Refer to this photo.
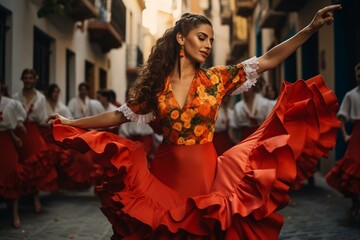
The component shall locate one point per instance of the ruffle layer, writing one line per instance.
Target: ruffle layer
(38, 171)
(327, 106)
(10, 184)
(345, 176)
(75, 171)
(252, 180)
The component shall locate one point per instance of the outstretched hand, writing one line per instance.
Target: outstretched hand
(56, 116)
(324, 16)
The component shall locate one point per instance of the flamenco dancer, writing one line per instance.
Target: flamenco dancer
(190, 192)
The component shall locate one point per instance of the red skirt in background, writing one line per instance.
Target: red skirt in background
(191, 194)
(247, 131)
(147, 141)
(345, 175)
(38, 172)
(10, 183)
(75, 170)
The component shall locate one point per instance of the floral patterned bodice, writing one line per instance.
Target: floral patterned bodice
(194, 123)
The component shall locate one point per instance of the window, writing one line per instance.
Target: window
(70, 75)
(4, 14)
(90, 77)
(102, 78)
(42, 53)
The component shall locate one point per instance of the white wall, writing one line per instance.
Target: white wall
(67, 36)
(221, 46)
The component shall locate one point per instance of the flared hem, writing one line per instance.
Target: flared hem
(251, 183)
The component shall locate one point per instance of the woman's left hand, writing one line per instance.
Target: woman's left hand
(324, 16)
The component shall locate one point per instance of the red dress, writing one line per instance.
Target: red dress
(190, 193)
(222, 140)
(38, 172)
(74, 170)
(11, 113)
(345, 175)
(10, 184)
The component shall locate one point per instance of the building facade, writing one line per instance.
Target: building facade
(68, 42)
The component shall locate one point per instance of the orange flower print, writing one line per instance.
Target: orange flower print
(215, 79)
(190, 142)
(177, 126)
(220, 87)
(161, 98)
(236, 79)
(181, 141)
(194, 123)
(196, 102)
(204, 109)
(212, 100)
(210, 136)
(162, 106)
(174, 114)
(201, 91)
(199, 130)
(207, 83)
(187, 125)
(186, 116)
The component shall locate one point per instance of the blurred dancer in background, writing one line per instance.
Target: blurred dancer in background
(345, 175)
(12, 116)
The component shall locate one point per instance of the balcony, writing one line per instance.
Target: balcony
(288, 5)
(245, 8)
(225, 12)
(239, 40)
(78, 10)
(272, 19)
(225, 16)
(108, 30)
(104, 34)
(83, 9)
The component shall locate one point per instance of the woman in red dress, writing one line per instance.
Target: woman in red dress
(189, 192)
(39, 173)
(345, 175)
(71, 166)
(12, 116)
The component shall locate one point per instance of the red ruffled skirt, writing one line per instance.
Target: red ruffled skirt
(10, 183)
(345, 175)
(192, 194)
(38, 172)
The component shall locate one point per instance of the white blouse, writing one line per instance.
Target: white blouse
(242, 113)
(35, 108)
(350, 106)
(60, 108)
(11, 113)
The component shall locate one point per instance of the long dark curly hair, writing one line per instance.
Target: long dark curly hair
(161, 62)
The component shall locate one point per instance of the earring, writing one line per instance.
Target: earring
(182, 52)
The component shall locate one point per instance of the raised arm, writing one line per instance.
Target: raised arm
(280, 52)
(103, 120)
